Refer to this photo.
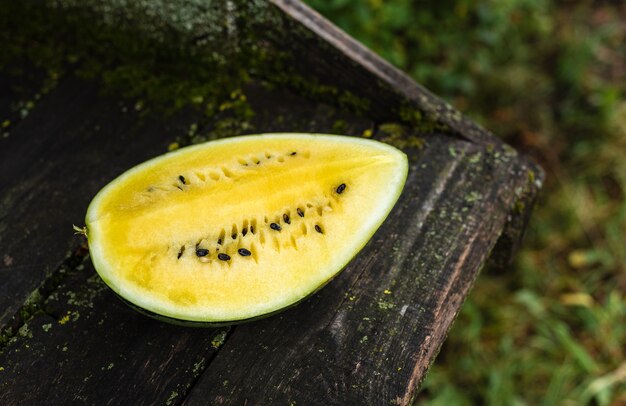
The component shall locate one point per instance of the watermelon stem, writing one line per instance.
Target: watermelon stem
(80, 230)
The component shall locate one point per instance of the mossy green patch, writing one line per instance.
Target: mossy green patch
(473, 197)
(385, 305)
(170, 400)
(219, 339)
(168, 56)
(162, 56)
(400, 136)
(421, 122)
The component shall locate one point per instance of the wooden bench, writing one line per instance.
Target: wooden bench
(368, 337)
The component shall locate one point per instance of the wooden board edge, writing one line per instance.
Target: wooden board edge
(398, 81)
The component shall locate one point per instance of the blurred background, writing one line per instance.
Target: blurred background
(550, 78)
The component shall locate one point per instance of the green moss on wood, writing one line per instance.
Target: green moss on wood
(420, 121)
(34, 304)
(163, 56)
(219, 339)
(173, 55)
(400, 136)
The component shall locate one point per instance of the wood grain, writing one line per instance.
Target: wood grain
(102, 350)
(89, 348)
(370, 335)
(71, 144)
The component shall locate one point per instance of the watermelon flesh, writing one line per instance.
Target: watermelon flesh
(239, 228)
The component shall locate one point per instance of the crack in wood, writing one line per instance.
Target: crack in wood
(198, 374)
(34, 304)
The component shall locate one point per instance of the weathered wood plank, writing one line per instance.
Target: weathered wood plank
(283, 41)
(110, 355)
(21, 88)
(13, 88)
(281, 110)
(369, 336)
(82, 315)
(332, 56)
(51, 165)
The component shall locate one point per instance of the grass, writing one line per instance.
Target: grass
(550, 78)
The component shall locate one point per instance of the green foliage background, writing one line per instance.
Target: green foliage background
(550, 78)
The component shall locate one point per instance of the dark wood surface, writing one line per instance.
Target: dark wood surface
(368, 337)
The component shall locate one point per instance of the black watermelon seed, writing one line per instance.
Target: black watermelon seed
(202, 252)
(181, 178)
(293, 153)
(300, 212)
(234, 236)
(244, 231)
(318, 229)
(258, 162)
(180, 253)
(223, 257)
(179, 187)
(286, 218)
(244, 252)
(219, 241)
(341, 188)
(252, 229)
(275, 226)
